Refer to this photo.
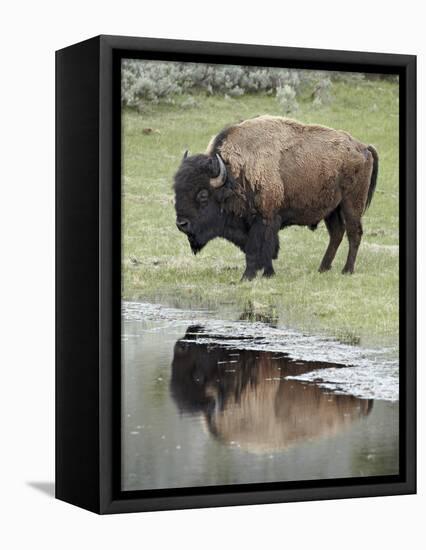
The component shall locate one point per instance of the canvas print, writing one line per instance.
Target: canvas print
(260, 275)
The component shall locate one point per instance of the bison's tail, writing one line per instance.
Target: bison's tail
(373, 180)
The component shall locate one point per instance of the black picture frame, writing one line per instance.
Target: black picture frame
(88, 270)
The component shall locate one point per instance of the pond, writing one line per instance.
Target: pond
(218, 402)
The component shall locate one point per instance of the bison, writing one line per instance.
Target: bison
(267, 173)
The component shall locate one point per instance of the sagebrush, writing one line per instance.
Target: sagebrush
(161, 81)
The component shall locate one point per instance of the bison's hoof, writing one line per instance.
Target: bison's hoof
(268, 273)
(347, 270)
(324, 268)
(248, 277)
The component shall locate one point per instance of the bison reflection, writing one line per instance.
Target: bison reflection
(246, 401)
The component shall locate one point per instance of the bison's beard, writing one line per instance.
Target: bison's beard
(195, 245)
(200, 236)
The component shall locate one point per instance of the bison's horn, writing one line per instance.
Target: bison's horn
(219, 180)
(185, 155)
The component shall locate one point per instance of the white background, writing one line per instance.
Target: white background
(29, 34)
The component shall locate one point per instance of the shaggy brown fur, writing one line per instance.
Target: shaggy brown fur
(287, 164)
(306, 172)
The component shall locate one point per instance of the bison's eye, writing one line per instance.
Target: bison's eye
(203, 197)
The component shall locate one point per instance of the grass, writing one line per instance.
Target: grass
(157, 261)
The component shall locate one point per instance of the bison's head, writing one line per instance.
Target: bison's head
(199, 193)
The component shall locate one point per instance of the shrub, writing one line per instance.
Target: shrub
(160, 81)
(321, 94)
(286, 96)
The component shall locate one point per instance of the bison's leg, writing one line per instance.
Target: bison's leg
(262, 244)
(270, 251)
(352, 211)
(355, 196)
(354, 232)
(336, 229)
(268, 270)
(251, 268)
(276, 247)
(253, 251)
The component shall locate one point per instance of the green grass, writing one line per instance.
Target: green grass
(159, 266)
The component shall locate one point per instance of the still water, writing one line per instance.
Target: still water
(209, 402)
